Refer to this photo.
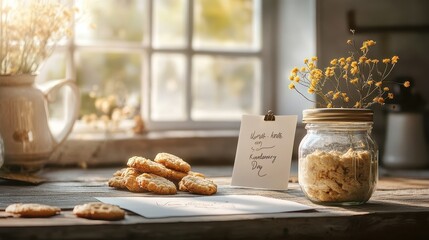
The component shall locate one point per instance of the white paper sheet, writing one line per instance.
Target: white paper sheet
(161, 207)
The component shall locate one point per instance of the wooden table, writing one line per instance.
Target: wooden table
(399, 209)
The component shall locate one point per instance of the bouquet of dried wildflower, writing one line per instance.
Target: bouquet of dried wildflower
(29, 30)
(356, 81)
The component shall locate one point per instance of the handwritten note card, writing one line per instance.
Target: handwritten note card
(264, 152)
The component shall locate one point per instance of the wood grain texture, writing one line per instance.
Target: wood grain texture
(399, 209)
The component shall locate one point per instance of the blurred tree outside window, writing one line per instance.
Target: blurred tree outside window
(180, 64)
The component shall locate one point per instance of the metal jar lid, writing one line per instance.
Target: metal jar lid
(337, 115)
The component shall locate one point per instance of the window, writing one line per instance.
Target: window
(181, 64)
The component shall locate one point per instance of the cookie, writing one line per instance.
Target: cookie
(119, 172)
(196, 174)
(197, 185)
(131, 184)
(117, 182)
(174, 175)
(172, 162)
(156, 184)
(130, 172)
(32, 210)
(147, 166)
(99, 211)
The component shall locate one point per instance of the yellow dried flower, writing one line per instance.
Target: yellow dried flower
(291, 86)
(362, 59)
(295, 70)
(336, 95)
(370, 43)
(354, 81)
(354, 70)
(361, 73)
(407, 84)
(357, 105)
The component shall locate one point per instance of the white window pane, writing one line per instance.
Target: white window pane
(168, 91)
(169, 23)
(108, 76)
(227, 24)
(224, 88)
(111, 20)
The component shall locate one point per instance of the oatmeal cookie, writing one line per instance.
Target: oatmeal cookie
(197, 185)
(117, 182)
(196, 174)
(172, 162)
(131, 184)
(32, 210)
(147, 166)
(130, 172)
(99, 211)
(174, 175)
(156, 184)
(119, 172)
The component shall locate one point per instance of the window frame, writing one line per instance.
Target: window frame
(265, 54)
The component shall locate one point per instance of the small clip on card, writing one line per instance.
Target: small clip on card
(270, 116)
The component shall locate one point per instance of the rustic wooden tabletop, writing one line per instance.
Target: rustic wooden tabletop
(398, 209)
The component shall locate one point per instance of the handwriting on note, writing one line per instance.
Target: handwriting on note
(261, 154)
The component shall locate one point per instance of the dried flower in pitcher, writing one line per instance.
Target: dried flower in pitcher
(29, 32)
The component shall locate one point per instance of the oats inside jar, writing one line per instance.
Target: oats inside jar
(337, 176)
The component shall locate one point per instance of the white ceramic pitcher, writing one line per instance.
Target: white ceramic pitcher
(24, 121)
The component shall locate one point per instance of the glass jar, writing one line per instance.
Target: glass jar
(338, 158)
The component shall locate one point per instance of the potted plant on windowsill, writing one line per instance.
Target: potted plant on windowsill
(29, 31)
(338, 158)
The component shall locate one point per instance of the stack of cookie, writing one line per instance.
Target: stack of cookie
(161, 176)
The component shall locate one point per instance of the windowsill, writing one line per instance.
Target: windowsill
(207, 147)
